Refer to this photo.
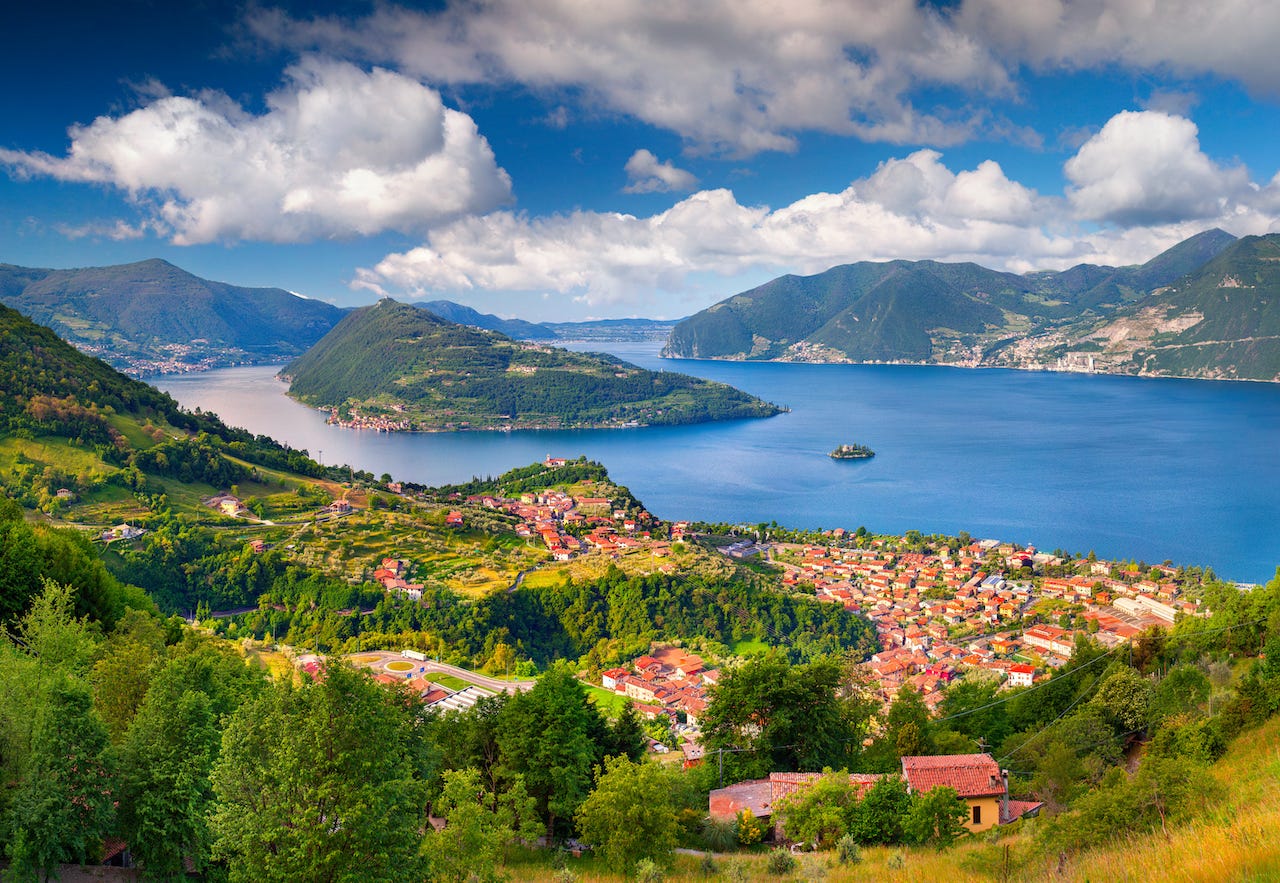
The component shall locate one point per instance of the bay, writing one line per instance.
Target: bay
(1150, 469)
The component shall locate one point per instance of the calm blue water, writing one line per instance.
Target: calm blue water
(1151, 469)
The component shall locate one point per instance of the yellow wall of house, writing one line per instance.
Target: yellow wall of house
(988, 810)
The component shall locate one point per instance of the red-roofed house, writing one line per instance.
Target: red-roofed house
(975, 777)
(611, 678)
(755, 795)
(1050, 638)
(759, 796)
(1021, 675)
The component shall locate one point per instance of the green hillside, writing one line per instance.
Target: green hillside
(1232, 309)
(925, 311)
(401, 363)
(151, 316)
(120, 449)
(895, 311)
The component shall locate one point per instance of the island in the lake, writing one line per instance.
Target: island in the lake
(397, 367)
(851, 452)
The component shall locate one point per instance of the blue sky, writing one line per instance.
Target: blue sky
(552, 159)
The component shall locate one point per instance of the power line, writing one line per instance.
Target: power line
(1031, 689)
(1051, 723)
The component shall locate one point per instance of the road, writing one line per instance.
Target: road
(496, 685)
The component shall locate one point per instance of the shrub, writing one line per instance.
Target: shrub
(781, 863)
(749, 828)
(648, 872)
(847, 850)
(720, 835)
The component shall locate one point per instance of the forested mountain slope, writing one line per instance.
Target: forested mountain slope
(152, 316)
(929, 311)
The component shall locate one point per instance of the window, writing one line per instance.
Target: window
(977, 814)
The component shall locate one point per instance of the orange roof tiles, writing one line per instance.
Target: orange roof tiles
(971, 775)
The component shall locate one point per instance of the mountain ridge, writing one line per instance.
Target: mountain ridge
(934, 312)
(149, 316)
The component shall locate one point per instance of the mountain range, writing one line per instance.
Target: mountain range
(397, 366)
(1204, 308)
(152, 317)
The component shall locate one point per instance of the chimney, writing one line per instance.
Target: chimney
(1004, 803)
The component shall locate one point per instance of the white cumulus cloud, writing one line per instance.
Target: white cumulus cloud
(743, 76)
(1233, 39)
(734, 75)
(1146, 167)
(909, 208)
(1142, 167)
(648, 175)
(339, 152)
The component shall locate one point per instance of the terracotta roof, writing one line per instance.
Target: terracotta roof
(971, 775)
(783, 784)
(755, 795)
(1017, 809)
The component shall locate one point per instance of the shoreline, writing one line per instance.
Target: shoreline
(904, 363)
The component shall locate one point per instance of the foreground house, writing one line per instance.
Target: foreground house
(979, 781)
(976, 778)
(760, 796)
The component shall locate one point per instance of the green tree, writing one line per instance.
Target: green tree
(479, 825)
(165, 791)
(1148, 647)
(626, 735)
(972, 707)
(548, 736)
(818, 814)
(468, 738)
(120, 678)
(19, 701)
(321, 782)
(937, 817)
(878, 817)
(1184, 688)
(784, 717)
(908, 732)
(51, 632)
(631, 814)
(1123, 698)
(63, 810)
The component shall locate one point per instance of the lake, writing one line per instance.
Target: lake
(1151, 469)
